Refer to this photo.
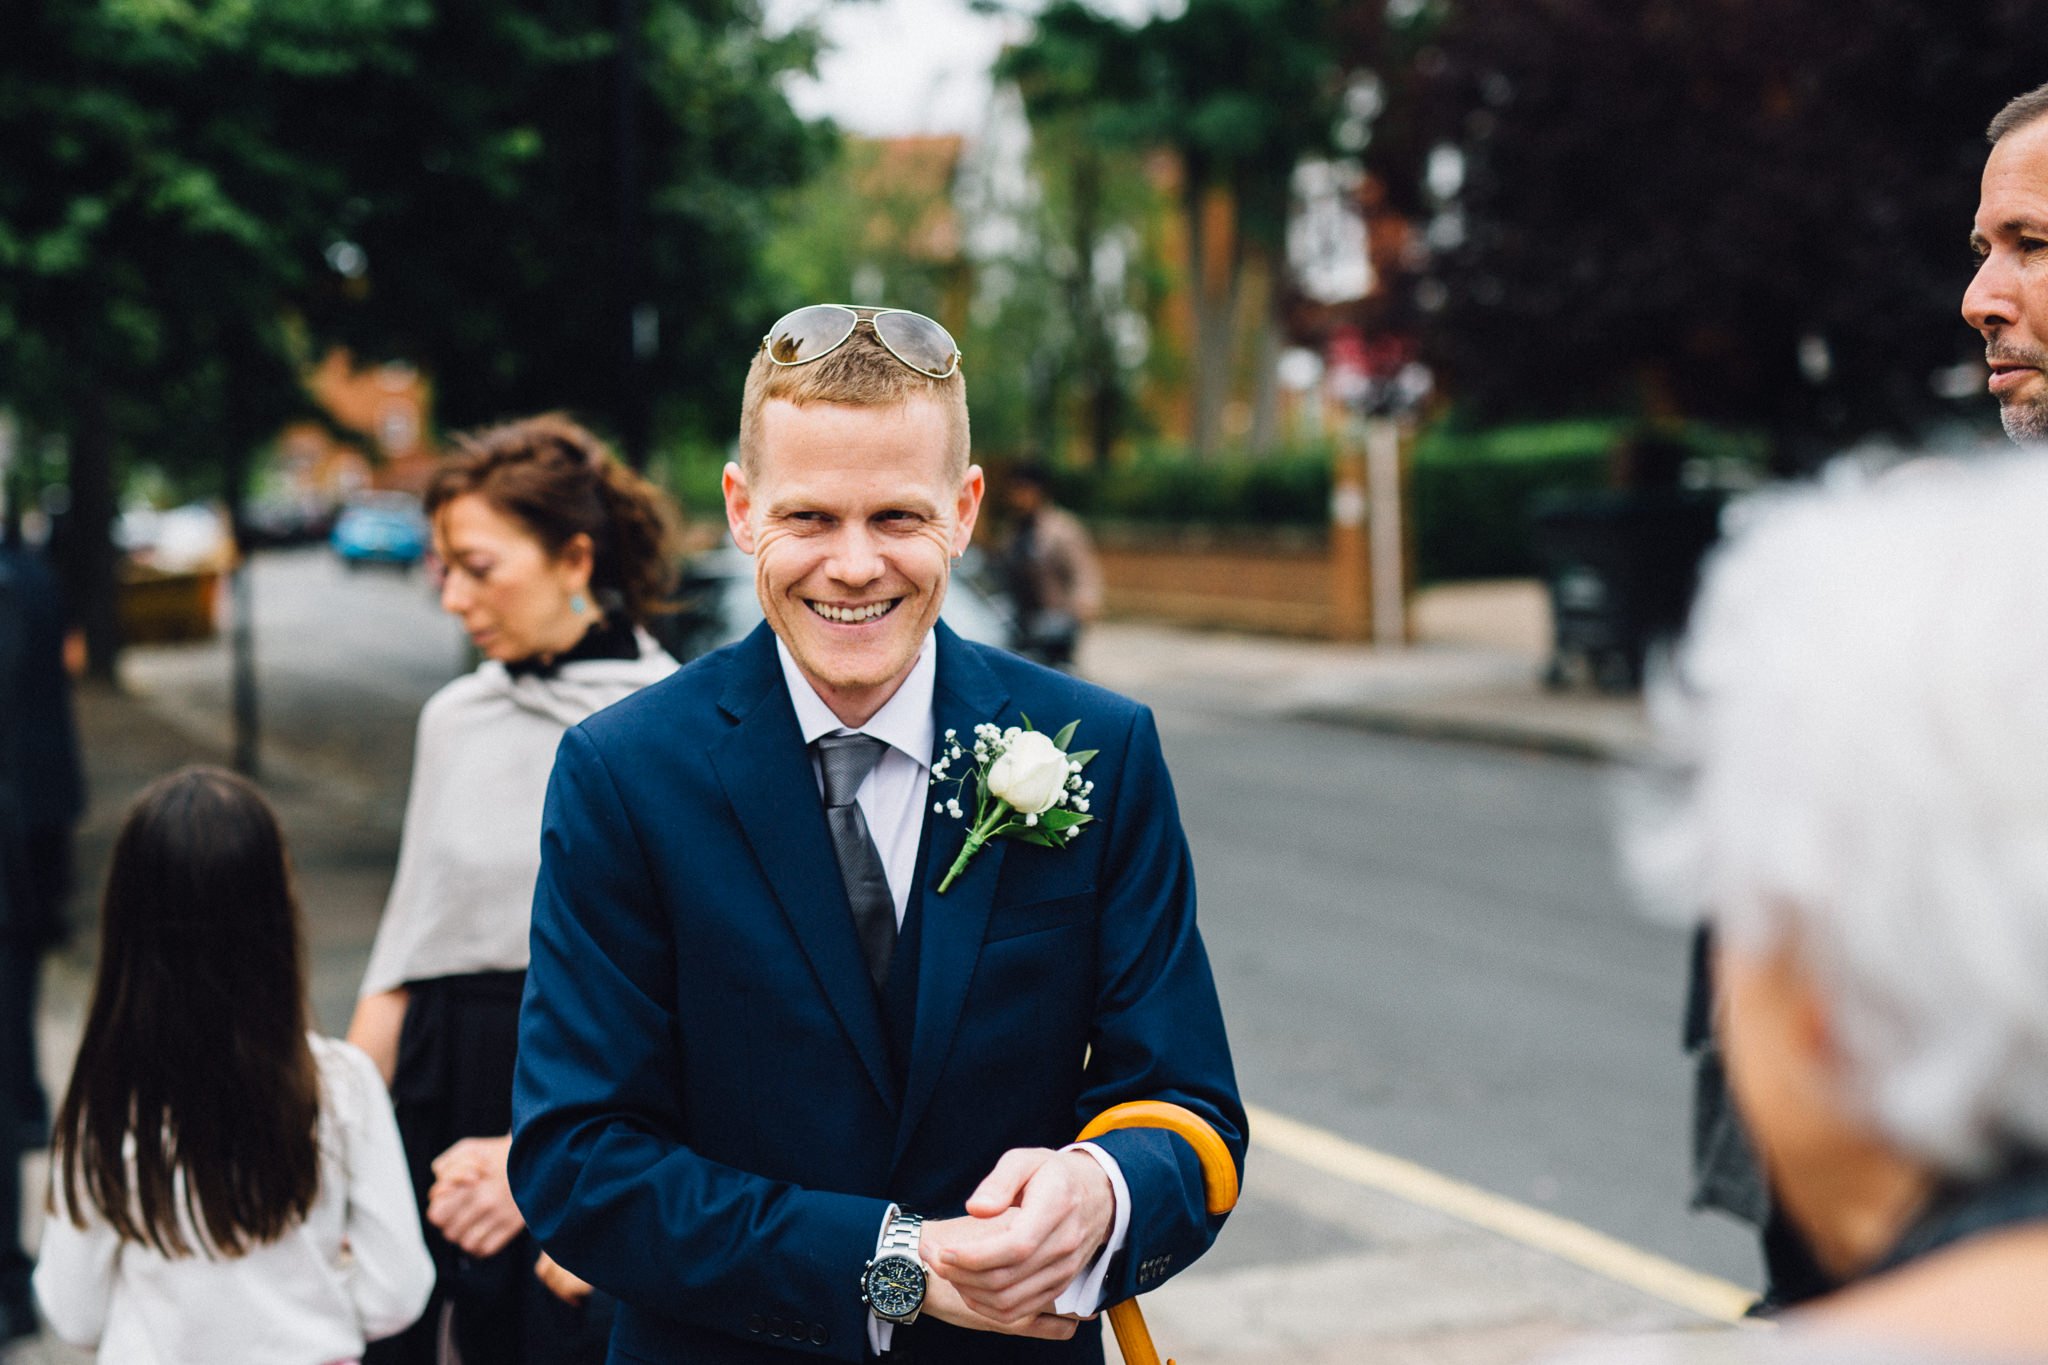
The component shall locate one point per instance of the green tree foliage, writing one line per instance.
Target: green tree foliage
(1725, 209)
(1088, 285)
(1037, 260)
(1084, 281)
(152, 223)
(193, 186)
(153, 226)
(868, 226)
(501, 256)
(1241, 91)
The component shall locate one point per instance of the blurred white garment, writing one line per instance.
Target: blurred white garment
(470, 850)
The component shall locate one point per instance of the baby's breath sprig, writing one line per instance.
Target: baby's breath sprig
(1026, 786)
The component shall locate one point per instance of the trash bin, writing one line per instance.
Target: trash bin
(1621, 568)
(167, 608)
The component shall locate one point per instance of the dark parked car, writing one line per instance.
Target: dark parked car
(388, 528)
(282, 519)
(719, 606)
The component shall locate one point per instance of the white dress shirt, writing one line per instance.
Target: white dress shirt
(893, 799)
(354, 1269)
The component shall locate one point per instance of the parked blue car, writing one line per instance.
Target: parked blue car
(390, 529)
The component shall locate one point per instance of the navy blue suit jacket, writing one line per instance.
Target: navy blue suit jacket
(706, 1120)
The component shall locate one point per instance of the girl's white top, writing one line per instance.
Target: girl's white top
(462, 899)
(355, 1269)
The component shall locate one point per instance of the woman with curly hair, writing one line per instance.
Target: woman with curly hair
(553, 555)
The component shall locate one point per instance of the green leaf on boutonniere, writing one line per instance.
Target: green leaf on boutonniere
(1063, 819)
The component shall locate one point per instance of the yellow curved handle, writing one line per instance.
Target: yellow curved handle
(1219, 1188)
(1219, 1172)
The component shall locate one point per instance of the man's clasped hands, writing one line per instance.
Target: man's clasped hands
(1031, 1226)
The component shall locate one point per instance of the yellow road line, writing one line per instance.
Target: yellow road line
(1706, 1295)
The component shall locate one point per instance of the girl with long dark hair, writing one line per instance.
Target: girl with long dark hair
(225, 1185)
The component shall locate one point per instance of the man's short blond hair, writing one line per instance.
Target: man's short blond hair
(860, 374)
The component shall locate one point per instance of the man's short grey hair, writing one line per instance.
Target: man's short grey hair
(2020, 111)
(1855, 735)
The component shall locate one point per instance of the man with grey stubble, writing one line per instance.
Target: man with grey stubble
(2007, 301)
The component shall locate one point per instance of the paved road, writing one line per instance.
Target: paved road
(344, 661)
(1421, 947)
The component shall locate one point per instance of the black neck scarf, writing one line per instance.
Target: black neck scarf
(608, 639)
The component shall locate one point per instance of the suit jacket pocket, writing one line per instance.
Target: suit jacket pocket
(1031, 917)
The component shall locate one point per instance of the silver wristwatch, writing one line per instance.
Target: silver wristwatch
(892, 1284)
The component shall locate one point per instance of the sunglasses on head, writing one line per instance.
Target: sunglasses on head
(814, 332)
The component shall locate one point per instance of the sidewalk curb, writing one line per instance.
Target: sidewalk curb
(1489, 733)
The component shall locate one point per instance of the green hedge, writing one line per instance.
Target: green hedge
(1291, 489)
(1472, 517)
(1474, 487)
(1472, 492)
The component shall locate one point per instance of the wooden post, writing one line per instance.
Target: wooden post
(1350, 545)
(1387, 529)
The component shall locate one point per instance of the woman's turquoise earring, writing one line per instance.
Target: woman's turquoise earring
(579, 604)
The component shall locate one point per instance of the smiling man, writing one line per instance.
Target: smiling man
(2007, 301)
(778, 1091)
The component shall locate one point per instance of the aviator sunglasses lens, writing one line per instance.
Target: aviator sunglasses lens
(809, 332)
(918, 342)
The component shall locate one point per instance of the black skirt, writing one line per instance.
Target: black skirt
(454, 1080)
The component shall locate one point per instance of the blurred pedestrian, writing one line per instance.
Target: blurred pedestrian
(17, 963)
(226, 1185)
(1853, 786)
(553, 554)
(1049, 566)
(2007, 301)
(52, 797)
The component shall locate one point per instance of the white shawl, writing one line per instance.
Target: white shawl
(469, 853)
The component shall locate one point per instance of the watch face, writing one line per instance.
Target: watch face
(895, 1286)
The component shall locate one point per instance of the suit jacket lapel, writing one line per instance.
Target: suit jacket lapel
(768, 777)
(967, 694)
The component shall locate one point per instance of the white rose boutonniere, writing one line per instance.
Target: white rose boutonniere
(1030, 774)
(1026, 786)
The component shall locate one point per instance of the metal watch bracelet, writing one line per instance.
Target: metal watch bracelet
(900, 1234)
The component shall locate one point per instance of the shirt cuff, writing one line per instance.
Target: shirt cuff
(880, 1331)
(1084, 1295)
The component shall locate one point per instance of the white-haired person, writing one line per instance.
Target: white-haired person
(1856, 741)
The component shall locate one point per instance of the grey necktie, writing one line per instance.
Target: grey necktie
(846, 760)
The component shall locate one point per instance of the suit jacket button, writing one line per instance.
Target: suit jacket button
(775, 1327)
(754, 1324)
(819, 1336)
